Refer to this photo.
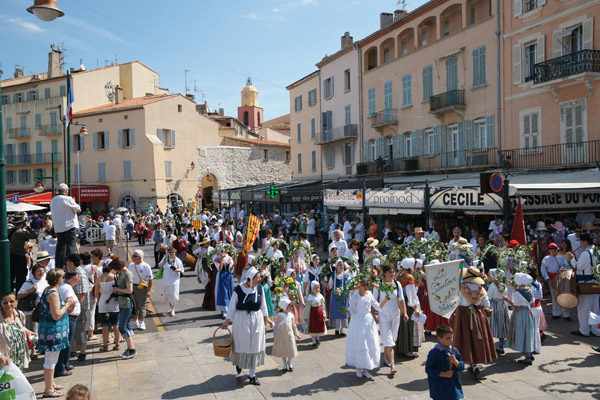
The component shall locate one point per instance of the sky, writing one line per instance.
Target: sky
(220, 43)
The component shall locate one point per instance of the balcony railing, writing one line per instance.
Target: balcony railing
(446, 101)
(384, 118)
(472, 159)
(29, 159)
(340, 133)
(572, 64)
(19, 133)
(49, 130)
(553, 156)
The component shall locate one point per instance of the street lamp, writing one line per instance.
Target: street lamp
(4, 246)
(46, 10)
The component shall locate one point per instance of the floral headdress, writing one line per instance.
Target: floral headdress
(223, 246)
(291, 282)
(299, 245)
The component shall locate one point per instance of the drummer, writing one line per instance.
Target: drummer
(552, 264)
(587, 302)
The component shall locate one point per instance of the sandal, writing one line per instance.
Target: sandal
(58, 387)
(116, 347)
(104, 348)
(53, 394)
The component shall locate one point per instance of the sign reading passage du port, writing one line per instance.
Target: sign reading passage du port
(496, 183)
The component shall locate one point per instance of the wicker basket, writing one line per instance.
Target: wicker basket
(488, 311)
(222, 347)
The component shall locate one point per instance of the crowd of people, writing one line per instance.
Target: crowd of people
(370, 288)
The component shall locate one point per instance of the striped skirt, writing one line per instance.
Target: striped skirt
(521, 333)
(499, 320)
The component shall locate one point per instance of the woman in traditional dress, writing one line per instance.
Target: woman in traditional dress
(224, 285)
(522, 330)
(248, 314)
(314, 313)
(267, 283)
(472, 334)
(242, 258)
(298, 309)
(172, 270)
(298, 265)
(499, 320)
(338, 280)
(410, 333)
(313, 273)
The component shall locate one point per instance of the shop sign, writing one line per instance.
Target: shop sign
(412, 198)
(349, 198)
(466, 200)
(89, 193)
(259, 196)
(304, 198)
(235, 195)
(559, 201)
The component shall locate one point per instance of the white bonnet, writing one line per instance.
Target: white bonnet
(284, 303)
(313, 284)
(408, 263)
(376, 262)
(522, 279)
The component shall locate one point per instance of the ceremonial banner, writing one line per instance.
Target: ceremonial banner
(253, 228)
(197, 224)
(443, 286)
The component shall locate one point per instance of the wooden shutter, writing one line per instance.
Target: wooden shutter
(72, 142)
(331, 87)
(516, 55)
(106, 135)
(344, 153)
(557, 48)
(461, 143)
(82, 142)
(469, 135)
(401, 144)
(518, 7)
(413, 143)
(38, 151)
(444, 144)
(120, 138)
(131, 137)
(588, 34)
(476, 67)
(95, 139)
(172, 138)
(395, 145)
(421, 142)
(329, 121)
(491, 141)
(541, 49)
(436, 140)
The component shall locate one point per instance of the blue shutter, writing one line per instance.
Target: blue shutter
(436, 140)
(444, 143)
(82, 142)
(38, 151)
(476, 67)
(401, 144)
(395, 145)
(366, 152)
(55, 149)
(344, 153)
(131, 137)
(413, 143)
(469, 135)
(106, 135)
(95, 140)
(329, 120)
(451, 74)
(332, 87)
(38, 120)
(352, 153)
(172, 138)
(461, 143)
(421, 142)
(491, 142)
(120, 138)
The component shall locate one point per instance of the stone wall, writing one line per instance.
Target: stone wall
(243, 166)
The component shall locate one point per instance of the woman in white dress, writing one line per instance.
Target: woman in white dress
(362, 343)
(172, 270)
(352, 252)
(266, 242)
(248, 313)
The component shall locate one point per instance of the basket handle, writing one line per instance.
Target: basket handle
(216, 330)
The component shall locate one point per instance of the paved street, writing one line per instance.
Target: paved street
(175, 361)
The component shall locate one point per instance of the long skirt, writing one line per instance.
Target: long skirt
(521, 333)
(248, 331)
(499, 319)
(362, 343)
(209, 292)
(268, 299)
(405, 343)
(473, 336)
(171, 293)
(433, 320)
(224, 290)
(240, 264)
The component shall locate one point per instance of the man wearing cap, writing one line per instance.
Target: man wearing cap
(142, 287)
(587, 302)
(64, 214)
(552, 264)
(18, 236)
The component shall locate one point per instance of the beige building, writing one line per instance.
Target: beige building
(305, 121)
(551, 83)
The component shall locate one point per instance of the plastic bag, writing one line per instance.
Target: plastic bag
(157, 275)
(14, 385)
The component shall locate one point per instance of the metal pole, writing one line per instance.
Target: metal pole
(68, 137)
(4, 245)
(52, 172)
(79, 180)
(426, 203)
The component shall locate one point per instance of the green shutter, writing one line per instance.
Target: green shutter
(469, 135)
(491, 143)
(444, 145)
(421, 142)
(461, 143)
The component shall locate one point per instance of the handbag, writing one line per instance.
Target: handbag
(143, 284)
(27, 303)
(159, 273)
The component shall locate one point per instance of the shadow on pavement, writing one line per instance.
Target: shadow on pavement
(330, 384)
(572, 387)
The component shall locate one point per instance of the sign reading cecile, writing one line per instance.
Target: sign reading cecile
(466, 200)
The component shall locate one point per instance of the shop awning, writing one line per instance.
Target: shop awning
(37, 198)
(394, 211)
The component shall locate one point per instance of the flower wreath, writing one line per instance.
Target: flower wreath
(282, 245)
(299, 245)
(223, 246)
(278, 283)
(352, 284)
(520, 257)
(271, 262)
(327, 267)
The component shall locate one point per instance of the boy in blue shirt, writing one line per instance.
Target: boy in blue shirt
(442, 367)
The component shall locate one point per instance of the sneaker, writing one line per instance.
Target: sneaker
(142, 326)
(135, 325)
(127, 354)
(367, 375)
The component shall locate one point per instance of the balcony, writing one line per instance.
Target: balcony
(50, 130)
(340, 133)
(473, 159)
(454, 100)
(580, 62)
(19, 133)
(381, 119)
(565, 155)
(30, 159)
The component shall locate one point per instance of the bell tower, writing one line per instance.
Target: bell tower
(250, 113)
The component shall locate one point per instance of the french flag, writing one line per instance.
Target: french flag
(69, 113)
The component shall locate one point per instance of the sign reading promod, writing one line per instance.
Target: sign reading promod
(411, 198)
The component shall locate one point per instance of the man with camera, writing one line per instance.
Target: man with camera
(142, 287)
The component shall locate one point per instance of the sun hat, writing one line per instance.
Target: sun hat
(472, 275)
(559, 226)
(541, 226)
(42, 255)
(418, 229)
(371, 242)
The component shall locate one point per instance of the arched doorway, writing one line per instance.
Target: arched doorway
(210, 186)
(175, 202)
(128, 202)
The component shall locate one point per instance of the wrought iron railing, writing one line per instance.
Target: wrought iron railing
(19, 133)
(571, 64)
(555, 155)
(450, 99)
(26, 159)
(342, 132)
(49, 130)
(384, 117)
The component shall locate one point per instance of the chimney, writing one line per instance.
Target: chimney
(347, 40)
(190, 96)
(19, 72)
(399, 14)
(222, 112)
(385, 19)
(118, 95)
(55, 62)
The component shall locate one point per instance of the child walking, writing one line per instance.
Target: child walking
(337, 281)
(499, 320)
(442, 367)
(284, 345)
(522, 331)
(314, 313)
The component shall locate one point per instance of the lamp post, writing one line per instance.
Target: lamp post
(46, 10)
(4, 246)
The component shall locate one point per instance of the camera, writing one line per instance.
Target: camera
(113, 295)
(173, 267)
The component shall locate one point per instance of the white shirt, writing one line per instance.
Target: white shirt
(28, 284)
(585, 262)
(553, 264)
(331, 229)
(348, 229)
(341, 245)
(575, 245)
(64, 213)
(274, 254)
(170, 277)
(493, 292)
(111, 232)
(310, 227)
(455, 251)
(473, 241)
(351, 254)
(360, 235)
(144, 271)
(391, 307)
(49, 245)
(65, 290)
(432, 235)
(241, 214)
(231, 310)
(105, 225)
(117, 220)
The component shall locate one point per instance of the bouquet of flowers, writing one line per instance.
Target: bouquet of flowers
(280, 281)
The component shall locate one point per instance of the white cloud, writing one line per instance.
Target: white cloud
(27, 26)
(252, 16)
(106, 34)
(309, 2)
(276, 10)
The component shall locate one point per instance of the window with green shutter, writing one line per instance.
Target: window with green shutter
(371, 99)
(427, 82)
(479, 74)
(406, 91)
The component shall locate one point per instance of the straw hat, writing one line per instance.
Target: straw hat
(541, 226)
(205, 240)
(588, 226)
(42, 255)
(471, 275)
(371, 242)
(463, 243)
(418, 229)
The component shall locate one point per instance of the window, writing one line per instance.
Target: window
(53, 122)
(347, 80)
(24, 176)
(388, 99)
(530, 60)
(386, 56)
(5, 99)
(373, 149)
(179, 108)
(313, 128)
(47, 93)
(32, 95)
(480, 134)
(298, 103)
(127, 170)
(299, 162)
(312, 97)
(328, 88)
(371, 96)
(11, 177)
(246, 118)
(389, 147)
(406, 91)
(529, 5)
(572, 40)
(573, 124)
(299, 132)
(530, 128)
(424, 39)
(38, 174)
(287, 156)
(479, 77)
(126, 138)
(265, 155)
(452, 74)
(347, 115)
(63, 90)
(77, 172)
(348, 152)
(313, 160)
(23, 120)
(404, 48)
(38, 121)
(101, 140)
(78, 143)
(330, 157)
(472, 15)
(8, 123)
(101, 171)
(409, 144)
(429, 142)
(446, 28)
(18, 98)
(167, 137)
(427, 82)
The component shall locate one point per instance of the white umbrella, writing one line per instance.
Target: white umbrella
(121, 209)
(23, 207)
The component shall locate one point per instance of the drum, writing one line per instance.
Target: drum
(190, 261)
(554, 282)
(567, 297)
